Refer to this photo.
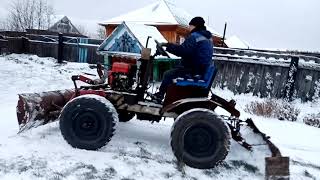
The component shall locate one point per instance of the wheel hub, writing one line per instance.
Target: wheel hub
(86, 125)
(199, 141)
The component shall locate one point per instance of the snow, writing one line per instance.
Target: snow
(104, 101)
(141, 32)
(237, 58)
(307, 62)
(139, 150)
(262, 59)
(155, 13)
(235, 42)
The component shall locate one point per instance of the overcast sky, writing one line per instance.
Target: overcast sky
(282, 24)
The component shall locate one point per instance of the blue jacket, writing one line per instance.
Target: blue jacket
(196, 51)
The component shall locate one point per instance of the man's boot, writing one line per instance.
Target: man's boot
(157, 97)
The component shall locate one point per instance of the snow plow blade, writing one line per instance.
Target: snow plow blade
(277, 166)
(37, 109)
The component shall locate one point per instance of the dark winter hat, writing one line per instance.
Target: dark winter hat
(197, 22)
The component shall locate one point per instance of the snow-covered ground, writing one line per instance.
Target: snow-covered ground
(139, 150)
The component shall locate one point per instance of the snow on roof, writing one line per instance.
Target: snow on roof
(235, 42)
(141, 32)
(161, 12)
(155, 13)
(55, 18)
(64, 25)
(181, 16)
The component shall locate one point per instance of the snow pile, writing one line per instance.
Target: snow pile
(312, 120)
(139, 150)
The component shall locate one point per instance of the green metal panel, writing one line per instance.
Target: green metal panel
(83, 52)
(106, 62)
(161, 65)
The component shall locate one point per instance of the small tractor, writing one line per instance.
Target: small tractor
(88, 115)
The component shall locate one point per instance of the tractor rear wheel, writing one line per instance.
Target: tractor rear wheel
(88, 122)
(200, 138)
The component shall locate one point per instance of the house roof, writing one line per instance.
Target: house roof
(137, 34)
(235, 42)
(161, 12)
(90, 26)
(64, 24)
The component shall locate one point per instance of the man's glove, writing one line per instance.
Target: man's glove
(163, 44)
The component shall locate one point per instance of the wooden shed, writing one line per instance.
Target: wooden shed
(171, 21)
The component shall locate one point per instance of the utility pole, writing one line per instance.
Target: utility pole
(224, 33)
(60, 48)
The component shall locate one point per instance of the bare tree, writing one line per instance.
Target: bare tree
(101, 32)
(98, 34)
(3, 25)
(82, 30)
(29, 14)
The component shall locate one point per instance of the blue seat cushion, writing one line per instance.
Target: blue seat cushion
(198, 80)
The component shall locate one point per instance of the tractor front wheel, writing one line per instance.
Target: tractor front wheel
(200, 138)
(88, 122)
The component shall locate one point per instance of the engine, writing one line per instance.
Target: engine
(121, 77)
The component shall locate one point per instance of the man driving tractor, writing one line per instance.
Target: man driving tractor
(196, 53)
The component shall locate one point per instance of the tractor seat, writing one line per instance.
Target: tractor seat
(198, 80)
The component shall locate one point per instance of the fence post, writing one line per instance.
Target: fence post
(25, 45)
(292, 75)
(60, 48)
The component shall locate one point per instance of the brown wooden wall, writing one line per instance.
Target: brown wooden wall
(172, 33)
(169, 33)
(110, 29)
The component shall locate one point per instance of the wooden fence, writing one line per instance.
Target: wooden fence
(266, 74)
(262, 73)
(3, 45)
(73, 48)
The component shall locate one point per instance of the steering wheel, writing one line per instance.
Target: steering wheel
(160, 49)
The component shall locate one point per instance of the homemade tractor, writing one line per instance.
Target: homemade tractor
(88, 114)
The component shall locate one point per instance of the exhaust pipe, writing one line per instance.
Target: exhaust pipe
(37, 109)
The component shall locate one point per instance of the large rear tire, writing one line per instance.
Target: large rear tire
(88, 122)
(200, 138)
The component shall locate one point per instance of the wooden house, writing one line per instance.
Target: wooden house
(63, 25)
(171, 21)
